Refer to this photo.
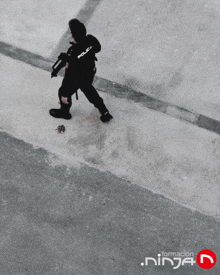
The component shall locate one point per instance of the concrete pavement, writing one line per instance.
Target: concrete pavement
(167, 49)
(36, 26)
(150, 149)
(164, 152)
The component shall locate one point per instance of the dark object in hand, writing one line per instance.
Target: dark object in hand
(63, 57)
(59, 64)
(54, 74)
(61, 129)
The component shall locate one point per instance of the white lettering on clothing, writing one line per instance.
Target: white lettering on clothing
(83, 53)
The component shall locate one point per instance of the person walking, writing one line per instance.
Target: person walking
(79, 72)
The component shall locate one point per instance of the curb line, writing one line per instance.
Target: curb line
(117, 90)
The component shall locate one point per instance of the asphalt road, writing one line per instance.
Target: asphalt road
(56, 219)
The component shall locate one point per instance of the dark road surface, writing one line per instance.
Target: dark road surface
(56, 220)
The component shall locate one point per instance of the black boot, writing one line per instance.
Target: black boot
(106, 117)
(60, 113)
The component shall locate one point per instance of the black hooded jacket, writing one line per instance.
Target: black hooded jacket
(81, 58)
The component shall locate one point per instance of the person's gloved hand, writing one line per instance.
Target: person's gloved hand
(62, 56)
(64, 100)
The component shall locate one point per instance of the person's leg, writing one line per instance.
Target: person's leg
(64, 111)
(94, 98)
(65, 107)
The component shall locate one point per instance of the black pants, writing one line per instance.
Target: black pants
(69, 87)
